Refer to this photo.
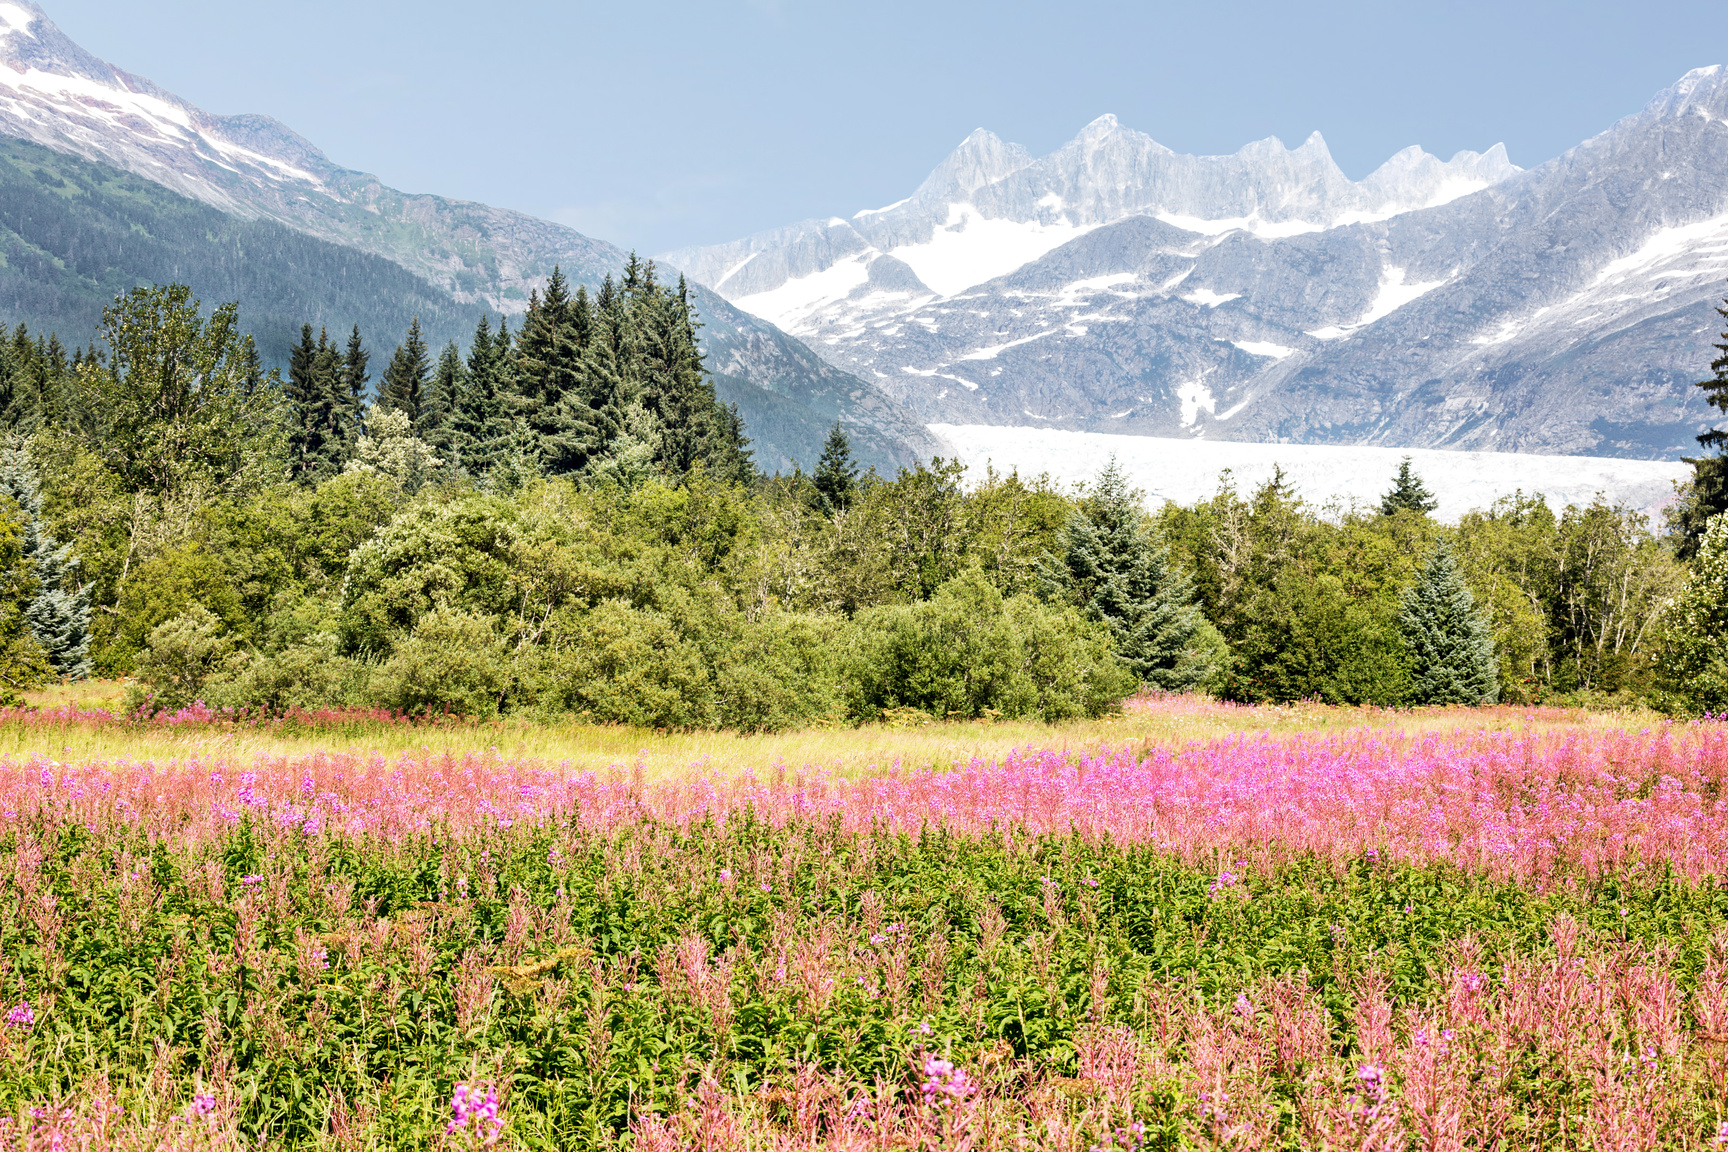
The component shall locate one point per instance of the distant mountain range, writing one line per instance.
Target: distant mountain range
(242, 208)
(1117, 286)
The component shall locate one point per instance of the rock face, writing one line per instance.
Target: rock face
(55, 94)
(1116, 286)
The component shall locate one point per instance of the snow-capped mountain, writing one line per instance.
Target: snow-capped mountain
(991, 208)
(1116, 286)
(55, 94)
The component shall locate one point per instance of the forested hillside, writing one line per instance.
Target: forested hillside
(75, 234)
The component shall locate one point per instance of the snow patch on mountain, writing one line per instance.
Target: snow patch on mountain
(14, 19)
(1188, 470)
(1393, 294)
(1263, 348)
(969, 248)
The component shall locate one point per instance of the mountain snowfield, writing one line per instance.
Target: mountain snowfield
(1186, 470)
(55, 94)
(1117, 287)
(991, 208)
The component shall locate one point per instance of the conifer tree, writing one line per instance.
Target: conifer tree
(836, 477)
(441, 427)
(1115, 569)
(549, 379)
(1706, 495)
(1451, 648)
(326, 423)
(486, 419)
(403, 388)
(354, 381)
(315, 407)
(1408, 493)
(675, 386)
(58, 614)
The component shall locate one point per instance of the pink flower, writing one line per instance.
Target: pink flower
(21, 1016)
(472, 1111)
(944, 1082)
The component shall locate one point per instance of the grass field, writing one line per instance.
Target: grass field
(1191, 926)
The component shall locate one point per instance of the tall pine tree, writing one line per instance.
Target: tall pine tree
(1706, 495)
(1119, 573)
(1451, 649)
(836, 477)
(58, 614)
(317, 435)
(549, 378)
(441, 429)
(1408, 493)
(355, 379)
(403, 387)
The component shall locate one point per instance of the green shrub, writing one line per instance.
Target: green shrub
(626, 665)
(967, 652)
(780, 673)
(452, 662)
(181, 656)
(310, 674)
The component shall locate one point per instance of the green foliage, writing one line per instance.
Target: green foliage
(1451, 649)
(167, 586)
(836, 476)
(380, 974)
(23, 663)
(968, 653)
(403, 387)
(1116, 570)
(451, 662)
(181, 655)
(1408, 493)
(1694, 657)
(59, 615)
(174, 405)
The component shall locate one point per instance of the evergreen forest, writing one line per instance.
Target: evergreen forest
(558, 518)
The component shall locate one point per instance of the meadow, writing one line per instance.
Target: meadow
(1192, 925)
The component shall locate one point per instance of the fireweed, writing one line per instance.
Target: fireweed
(1361, 941)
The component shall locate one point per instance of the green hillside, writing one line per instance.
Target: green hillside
(73, 234)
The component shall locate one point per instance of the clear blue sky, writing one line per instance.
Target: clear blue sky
(656, 124)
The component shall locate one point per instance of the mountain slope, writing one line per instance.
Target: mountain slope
(1115, 286)
(75, 234)
(55, 94)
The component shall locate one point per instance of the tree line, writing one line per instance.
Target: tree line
(561, 520)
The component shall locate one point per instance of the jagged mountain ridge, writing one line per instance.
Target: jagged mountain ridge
(1263, 296)
(990, 208)
(55, 94)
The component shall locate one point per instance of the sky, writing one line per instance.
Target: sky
(656, 125)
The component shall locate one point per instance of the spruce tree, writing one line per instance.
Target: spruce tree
(58, 615)
(315, 406)
(1450, 646)
(1115, 569)
(836, 477)
(1706, 495)
(486, 420)
(354, 381)
(1408, 493)
(441, 428)
(675, 388)
(549, 379)
(403, 388)
(327, 431)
